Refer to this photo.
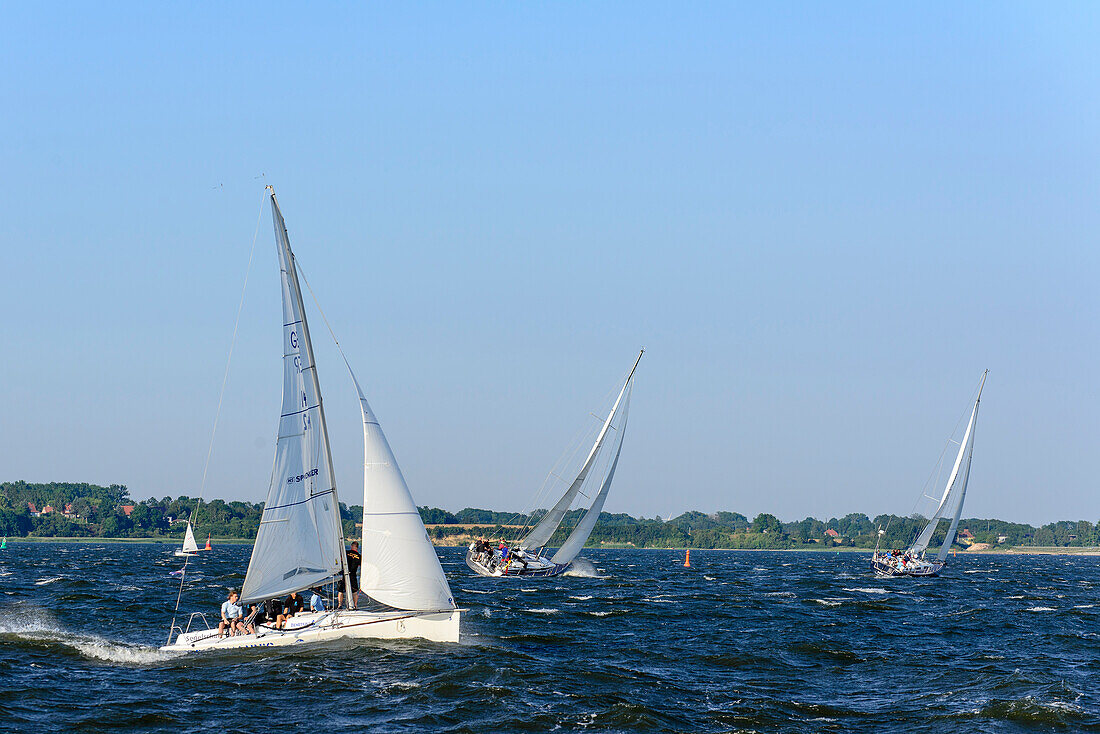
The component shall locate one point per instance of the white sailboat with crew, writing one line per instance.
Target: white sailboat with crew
(527, 557)
(300, 541)
(914, 561)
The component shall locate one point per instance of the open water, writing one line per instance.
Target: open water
(743, 641)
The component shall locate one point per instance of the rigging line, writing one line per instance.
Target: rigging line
(324, 318)
(221, 397)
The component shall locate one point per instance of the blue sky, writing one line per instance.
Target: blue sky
(823, 221)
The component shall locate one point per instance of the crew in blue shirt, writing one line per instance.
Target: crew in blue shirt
(316, 602)
(231, 616)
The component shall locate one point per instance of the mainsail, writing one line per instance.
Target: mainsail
(954, 493)
(400, 565)
(546, 528)
(299, 543)
(576, 540)
(189, 544)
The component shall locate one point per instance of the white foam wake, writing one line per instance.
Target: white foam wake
(38, 625)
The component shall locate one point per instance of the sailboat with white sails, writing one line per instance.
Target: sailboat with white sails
(527, 559)
(300, 541)
(913, 561)
(190, 547)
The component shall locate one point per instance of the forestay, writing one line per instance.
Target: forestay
(576, 540)
(400, 565)
(299, 543)
(955, 491)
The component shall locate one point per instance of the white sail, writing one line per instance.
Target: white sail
(576, 540)
(299, 542)
(546, 528)
(400, 565)
(950, 537)
(955, 490)
(189, 544)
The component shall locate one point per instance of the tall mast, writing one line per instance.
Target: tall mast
(921, 543)
(545, 530)
(308, 343)
(942, 555)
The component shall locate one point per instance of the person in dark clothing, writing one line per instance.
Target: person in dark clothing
(291, 606)
(354, 561)
(273, 609)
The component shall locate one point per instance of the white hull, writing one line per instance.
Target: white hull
(886, 566)
(320, 627)
(485, 565)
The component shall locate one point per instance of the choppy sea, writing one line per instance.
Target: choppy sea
(740, 642)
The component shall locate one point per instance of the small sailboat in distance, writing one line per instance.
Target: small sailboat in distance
(527, 558)
(190, 547)
(912, 561)
(300, 541)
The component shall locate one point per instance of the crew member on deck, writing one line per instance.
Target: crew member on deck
(316, 602)
(231, 615)
(354, 561)
(273, 611)
(291, 606)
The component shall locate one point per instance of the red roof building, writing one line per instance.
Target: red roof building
(47, 510)
(32, 508)
(832, 533)
(126, 509)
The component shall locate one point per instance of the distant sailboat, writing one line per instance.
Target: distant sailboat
(190, 547)
(527, 558)
(912, 561)
(300, 541)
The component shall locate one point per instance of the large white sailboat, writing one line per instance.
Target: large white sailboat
(527, 559)
(300, 541)
(913, 561)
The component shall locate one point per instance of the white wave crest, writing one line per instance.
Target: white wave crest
(38, 625)
(581, 598)
(542, 611)
(827, 602)
(870, 589)
(43, 582)
(1041, 609)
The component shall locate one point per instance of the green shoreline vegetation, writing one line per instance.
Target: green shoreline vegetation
(79, 511)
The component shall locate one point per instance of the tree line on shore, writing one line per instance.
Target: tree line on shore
(61, 509)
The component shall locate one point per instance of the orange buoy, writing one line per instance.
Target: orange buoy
(208, 543)
(687, 558)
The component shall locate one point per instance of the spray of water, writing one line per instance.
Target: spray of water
(39, 625)
(584, 568)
